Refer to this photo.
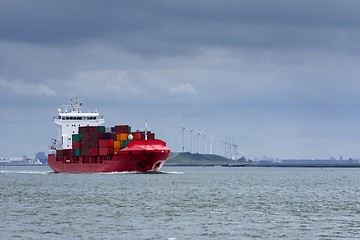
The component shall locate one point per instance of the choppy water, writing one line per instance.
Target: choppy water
(185, 203)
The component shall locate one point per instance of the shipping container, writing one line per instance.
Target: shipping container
(100, 135)
(94, 151)
(101, 129)
(88, 129)
(121, 136)
(116, 150)
(106, 151)
(85, 151)
(76, 137)
(90, 144)
(104, 143)
(151, 136)
(117, 144)
(136, 135)
(85, 136)
(108, 129)
(122, 129)
(76, 152)
(92, 136)
(124, 143)
(76, 145)
(108, 135)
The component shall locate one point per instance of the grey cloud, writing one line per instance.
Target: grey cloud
(175, 27)
(277, 72)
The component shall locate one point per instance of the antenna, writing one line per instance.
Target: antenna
(146, 129)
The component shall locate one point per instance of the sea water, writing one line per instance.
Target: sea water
(183, 203)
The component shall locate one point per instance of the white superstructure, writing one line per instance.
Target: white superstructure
(70, 118)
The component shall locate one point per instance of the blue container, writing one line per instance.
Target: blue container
(107, 135)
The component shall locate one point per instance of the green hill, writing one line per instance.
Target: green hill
(196, 159)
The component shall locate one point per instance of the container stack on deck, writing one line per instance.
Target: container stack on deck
(102, 141)
(76, 145)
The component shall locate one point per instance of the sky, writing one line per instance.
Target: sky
(280, 79)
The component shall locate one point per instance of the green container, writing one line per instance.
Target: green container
(124, 143)
(76, 152)
(76, 138)
(102, 128)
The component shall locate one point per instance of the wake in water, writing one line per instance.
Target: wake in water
(41, 172)
(24, 172)
(153, 172)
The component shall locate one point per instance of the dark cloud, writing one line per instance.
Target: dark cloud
(174, 27)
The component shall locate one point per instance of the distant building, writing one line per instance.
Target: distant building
(42, 157)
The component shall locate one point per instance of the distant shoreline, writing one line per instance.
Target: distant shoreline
(268, 165)
(211, 160)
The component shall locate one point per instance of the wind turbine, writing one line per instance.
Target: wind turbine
(204, 143)
(198, 134)
(221, 150)
(183, 128)
(211, 138)
(191, 140)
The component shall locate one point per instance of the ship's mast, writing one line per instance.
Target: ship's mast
(146, 130)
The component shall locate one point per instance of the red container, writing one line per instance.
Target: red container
(94, 136)
(105, 143)
(85, 136)
(100, 135)
(76, 145)
(151, 136)
(136, 135)
(122, 129)
(88, 129)
(90, 138)
(106, 151)
(90, 144)
(94, 152)
(85, 151)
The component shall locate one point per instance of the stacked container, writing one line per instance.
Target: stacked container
(106, 147)
(102, 141)
(76, 145)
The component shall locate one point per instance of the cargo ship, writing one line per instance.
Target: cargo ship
(86, 146)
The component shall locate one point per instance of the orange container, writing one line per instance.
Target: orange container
(117, 144)
(121, 136)
(116, 150)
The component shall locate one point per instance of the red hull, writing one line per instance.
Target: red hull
(138, 156)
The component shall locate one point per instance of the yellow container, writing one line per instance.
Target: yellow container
(117, 144)
(116, 150)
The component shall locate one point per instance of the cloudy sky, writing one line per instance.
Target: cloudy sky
(280, 78)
